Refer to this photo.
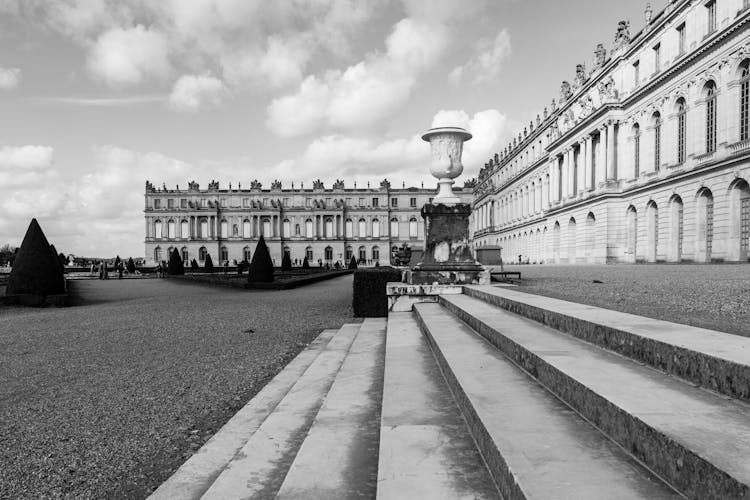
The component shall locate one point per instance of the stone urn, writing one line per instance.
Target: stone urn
(446, 144)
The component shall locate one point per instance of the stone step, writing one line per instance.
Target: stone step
(426, 450)
(339, 457)
(714, 360)
(195, 476)
(258, 469)
(695, 439)
(535, 446)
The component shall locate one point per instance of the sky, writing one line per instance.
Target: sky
(98, 96)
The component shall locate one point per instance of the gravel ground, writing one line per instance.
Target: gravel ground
(106, 399)
(714, 296)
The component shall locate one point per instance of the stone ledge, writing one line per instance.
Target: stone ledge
(402, 296)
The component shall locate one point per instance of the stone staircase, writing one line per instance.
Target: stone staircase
(492, 393)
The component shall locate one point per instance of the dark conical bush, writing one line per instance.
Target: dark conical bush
(209, 265)
(305, 263)
(175, 265)
(36, 269)
(286, 262)
(56, 257)
(194, 265)
(353, 263)
(63, 259)
(261, 267)
(130, 265)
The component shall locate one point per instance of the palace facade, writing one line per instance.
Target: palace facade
(326, 225)
(645, 156)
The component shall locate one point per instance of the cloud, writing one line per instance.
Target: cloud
(365, 93)
(15, 158)
(123, 57)
(486, 64)
(107, 101)
(192, 92)
(9, 78)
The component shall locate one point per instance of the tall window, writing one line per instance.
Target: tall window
(202, 252)
(394, 228)
(636, 150)
(745, 100)
(157, 254)
(185, 255)
(413, 228)
(711, 12)
(710, 117)
(637, 72)
(681, 118)
(157, 229)
(309, 254)
(657, 141)
(375, 228)
(184, 229)
(375, 253)
(362, 228)
(375, 202)
(576, 154)
(224, 255)
(247, 254)
(394, 202)
(286, 226)
(362, 254)
(412, 202)
(309, 228)
(681, 39)
(349, 228)
(657, 57)
(559, 179)
(328, 253)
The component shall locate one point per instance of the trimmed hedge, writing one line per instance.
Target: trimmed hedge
(209, 265)
(353, 263)
(369, 299)
(36, 269)
(286, 262)
(175, 267)
(261, 267)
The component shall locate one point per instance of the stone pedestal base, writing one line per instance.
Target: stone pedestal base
(402, 296)
(449, 277)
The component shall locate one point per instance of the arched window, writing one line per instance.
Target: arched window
(309, 228)
(309, 254)
(329, 254)
(745, 100)
(349, 228)
(375, 253)
(171, 230)
(267, 233)
(224, 255)
(184, 229)
(362, 228)
(185, 255)
(204, 228)
(157, 254)
(657, 140)
(705, 214)
(572, 240)
(394, 227)
(413, 228)
(636, 150)
(224, 229)
(676, 229)
(247, 231)
(202, 254)
(286, 228)
(157, 229)
(710, 92)
(349, 253)
(632, 232)
(375, 228)
(329, 227)
(652, 229)
(362, 254)
(681, 120)
(247, 254)
(288, 252)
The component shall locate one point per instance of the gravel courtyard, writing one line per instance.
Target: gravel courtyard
(715, 296)
(106, 399)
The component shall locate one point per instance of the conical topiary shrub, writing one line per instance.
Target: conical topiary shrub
(63, 259)
(209, 265)
(175, 266)
(286, 262)
(36, 270)
(305, 263)
(131, 265)
(56, 257)
(261, 267)
(353, 263)
(194, 265)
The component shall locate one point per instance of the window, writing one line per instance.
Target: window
(267, 233)
(413, 227)
(349, 228)
(636, 72)
(681, 118)
(157, 204)
(362, 228)
(329, 253)
(711, 13)
(576, 154)
(170, 203)
(657, 141)
(247, 254)
(361, 202)
(309, 254)
(204, 228)
(394, 202)
(329, 228)
(308, 202)
(657, 57)
(285, 202)
(223, 202)
(745, 100)
(286, 228)
(412, 202)
(157, 229)
(636, 150)
(348, 202)
(171, 230)
(157, 254)
(710, 117)
(185, 255)
(394, 228)
(183, 203)
(224, 255)
(246, 228)
(375, 202)
(375, 253)
(309, 228)
(184, 229)
(681, 39)
(224, 229)
(202, 252)
(375, 228)
(245, 202)
(348, 253)
(362, 254)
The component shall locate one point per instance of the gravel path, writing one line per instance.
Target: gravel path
(714, 296)
(106, 399)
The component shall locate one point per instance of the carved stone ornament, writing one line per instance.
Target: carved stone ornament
(622, 35)
(213, 185)
(565, 91)
(276, 184)
(318, 184)
(607, 90)
(339, 184)
(600, 55)
(385, 184)
(580, 77)
(446, 145)
(255, 185)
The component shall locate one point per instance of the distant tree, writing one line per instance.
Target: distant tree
(286, 262)
(130, 265)
(353, 263)
(261, 267)
(305, 263)
(6, 254)
(194, 265)
(117, 262)
(209, 265)
(63, 259)
(36, 270)
(175, 267)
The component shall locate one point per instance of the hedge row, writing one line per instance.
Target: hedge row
(369, 299)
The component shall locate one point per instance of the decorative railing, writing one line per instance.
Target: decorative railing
(739, 147)
(704, 158)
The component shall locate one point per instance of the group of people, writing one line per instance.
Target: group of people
(103, 269)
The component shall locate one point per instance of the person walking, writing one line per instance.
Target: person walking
(119, 270)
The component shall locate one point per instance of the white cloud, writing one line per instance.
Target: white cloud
(123, 57)
(486, 64)
(192, 92)
(14, 158)
(300, 113)
(9, 78)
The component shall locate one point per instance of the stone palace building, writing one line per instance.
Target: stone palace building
(326, 225)
(645, 156)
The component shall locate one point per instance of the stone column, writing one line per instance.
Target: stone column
(588, 183)
(728, 129)
(611, 158)
(554, 180)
